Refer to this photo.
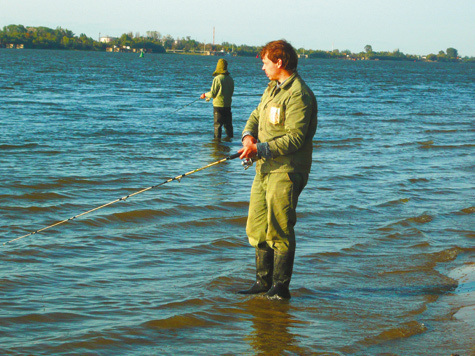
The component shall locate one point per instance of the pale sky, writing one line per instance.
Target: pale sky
(412, 26)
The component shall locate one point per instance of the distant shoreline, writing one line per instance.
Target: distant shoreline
(231, 55)
(22, 37)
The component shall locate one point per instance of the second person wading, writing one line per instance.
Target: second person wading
(221, 92)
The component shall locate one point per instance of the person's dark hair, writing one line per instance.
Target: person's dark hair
(283, 50)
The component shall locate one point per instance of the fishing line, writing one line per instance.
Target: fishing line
(178, 178)
(186, 105)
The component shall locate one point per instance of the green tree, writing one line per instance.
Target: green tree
(154, 35)
(452, 53)
(168, 41)
(319, 54)
(65, 41)
(368, 49)
(125, 40)
(14, 29)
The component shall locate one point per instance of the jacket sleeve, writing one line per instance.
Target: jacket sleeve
(252, 124)
(298, 114)
(215, 86)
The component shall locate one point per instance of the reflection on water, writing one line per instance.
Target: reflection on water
(271, 323)
(220, 148)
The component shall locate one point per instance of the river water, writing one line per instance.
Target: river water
(384, 224)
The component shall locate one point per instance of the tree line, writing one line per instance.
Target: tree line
(153, 41)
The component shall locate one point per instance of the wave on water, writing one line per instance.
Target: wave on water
(235, 204)
(418, 180)
(449, 147)
(421, 219)
(111, 132)
(431, 144)
(216, 245)
(194, 302)
(50, 183)
(402, 331)
(395, 202)
(469, 210)
(142, 214)
(426, 143)
(133, 216)
(339, 96)
(410, 222)
(441, 131)
(46, 318)
(185, 321)
(346, 140)
(237, 221)
(16, 147)
(428, 114)
(38, 196)
(225, 243)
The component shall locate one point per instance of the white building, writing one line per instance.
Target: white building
(106, 39)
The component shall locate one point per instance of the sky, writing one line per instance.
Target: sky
(412, 26)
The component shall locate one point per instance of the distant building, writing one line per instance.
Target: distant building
(127, 49)
(17, 46)
(216, 53)
(107, 39)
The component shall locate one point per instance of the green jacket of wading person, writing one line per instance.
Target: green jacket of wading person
(278, 136)
(284, 124)
(221, 92)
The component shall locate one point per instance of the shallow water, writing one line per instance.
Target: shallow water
(387, 214)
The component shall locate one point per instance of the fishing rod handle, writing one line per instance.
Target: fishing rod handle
(236, 155)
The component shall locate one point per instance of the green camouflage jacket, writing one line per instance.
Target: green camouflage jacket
(284, 124)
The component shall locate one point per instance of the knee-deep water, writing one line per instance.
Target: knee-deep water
(385, 219)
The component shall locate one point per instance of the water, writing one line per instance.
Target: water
(386, 216)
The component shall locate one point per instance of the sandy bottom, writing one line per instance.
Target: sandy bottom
(465, 292)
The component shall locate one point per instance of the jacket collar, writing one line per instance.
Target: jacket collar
(285, 84)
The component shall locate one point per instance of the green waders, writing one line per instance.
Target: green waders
(264, 270)
(223, 117)
(283, 265)
(271, 221)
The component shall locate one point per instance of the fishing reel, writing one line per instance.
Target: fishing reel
(247, 163)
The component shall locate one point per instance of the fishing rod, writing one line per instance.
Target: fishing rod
(186, 105)
(178, 178)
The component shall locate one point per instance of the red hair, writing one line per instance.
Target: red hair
(282, 50)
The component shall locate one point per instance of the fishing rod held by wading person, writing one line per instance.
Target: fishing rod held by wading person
(178, 178)
(184, 106)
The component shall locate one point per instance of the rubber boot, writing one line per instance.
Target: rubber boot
(283, 266)
(264, 270)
